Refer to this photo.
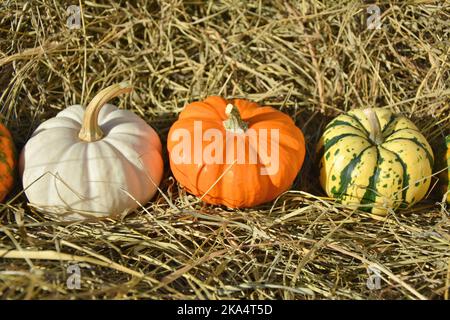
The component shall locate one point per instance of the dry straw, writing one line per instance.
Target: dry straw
(310, 59)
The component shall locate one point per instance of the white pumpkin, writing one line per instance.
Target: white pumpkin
(97, 162)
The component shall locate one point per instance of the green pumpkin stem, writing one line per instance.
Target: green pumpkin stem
(376, 136)
(90, 130)
(234, 123)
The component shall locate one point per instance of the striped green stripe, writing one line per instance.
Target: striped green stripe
(333, 141)
(390, 122)
(337, 123)
(359, 122)
(401, 129)
(393, 123)
(406, 179)
(371, 194)
(417, 142)
(346, 174)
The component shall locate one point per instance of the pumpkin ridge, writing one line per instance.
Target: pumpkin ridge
(386, 131)
(403, 175)
(111, 124)
(57, 177)
(282, 141)
(209, 101)
(120, 153)
(284, 127)
(408, 124)
(346, 174)
(338, 123)
(268, 178)
(286, 146)
(272, 115)
(331, 142)
(401, 129)
(191, 120)
(190, 114)
(389, 123)
(280, 125)
(214, 188)
(123, 168)
(212, 107)
(416, 142)
(405, 178)
(216, 183)
(249, 113)
(285, 137)
(354, 117)
(192, 188)
(370, 193)
(42, 127)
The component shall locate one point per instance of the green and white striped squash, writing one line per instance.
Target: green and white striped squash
(374, 160)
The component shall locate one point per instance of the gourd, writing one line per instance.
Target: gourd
(374, 160)
(227, 152)
(97, 162)
(7, 162)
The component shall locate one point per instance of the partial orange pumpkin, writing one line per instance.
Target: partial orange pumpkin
(7, 162)
(230, 175)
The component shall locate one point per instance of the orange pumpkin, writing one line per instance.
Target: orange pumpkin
(235, 153)
(7, 162)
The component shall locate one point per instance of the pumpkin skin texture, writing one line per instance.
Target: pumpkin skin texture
(375, 160)
(237, 184)
(7, 162)
(79, 170)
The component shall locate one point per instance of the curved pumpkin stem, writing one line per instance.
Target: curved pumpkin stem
(376, 136)
(90, 130)
(234, 123)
